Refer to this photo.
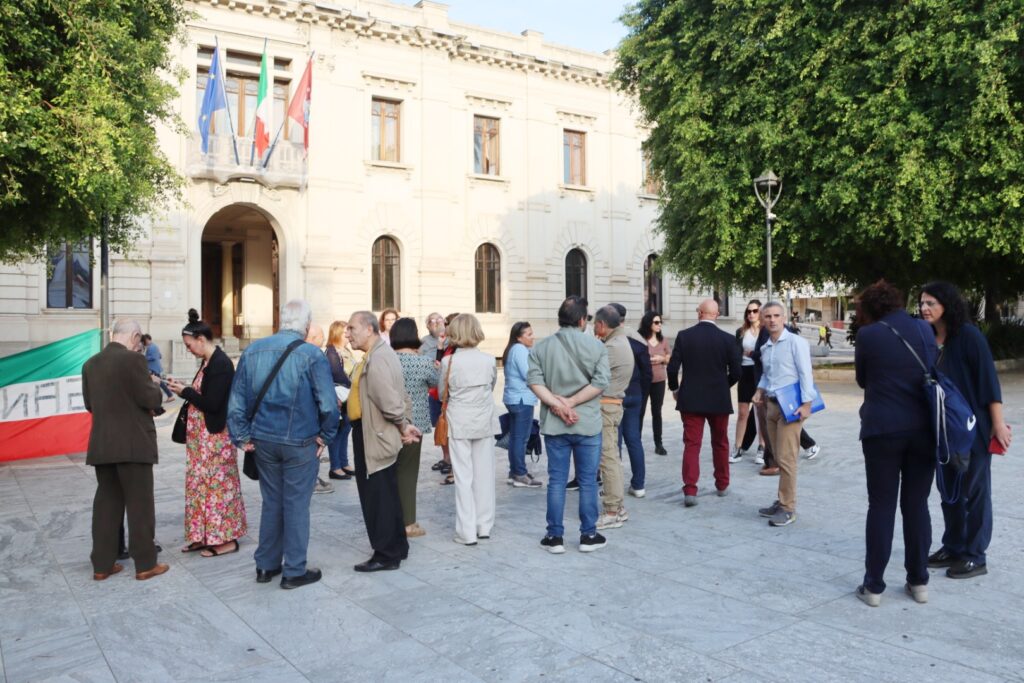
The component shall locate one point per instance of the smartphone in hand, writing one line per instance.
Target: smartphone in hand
(996, 448)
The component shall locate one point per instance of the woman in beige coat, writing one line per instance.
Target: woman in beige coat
(468, 377)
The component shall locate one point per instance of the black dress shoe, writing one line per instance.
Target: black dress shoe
(966, 569)
(660, 450)
(373, 565)
(332, 475)
(265, 575)
(311, 576)
(941, 558)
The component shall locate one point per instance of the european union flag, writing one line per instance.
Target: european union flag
(213, 99)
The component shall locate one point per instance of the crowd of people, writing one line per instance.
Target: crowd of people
(295, 395)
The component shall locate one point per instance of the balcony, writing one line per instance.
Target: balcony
(287, 167)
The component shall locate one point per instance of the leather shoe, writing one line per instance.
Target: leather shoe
(100, 576)
(150, 573)
(941, 558)
(769, 471)
(311, 576)
(660, 450)
(373, 565)
(265, 575)
(966, 569)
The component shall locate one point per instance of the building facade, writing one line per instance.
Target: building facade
(449, 168)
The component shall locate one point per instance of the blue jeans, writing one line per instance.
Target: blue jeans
(338, 447)
(629, 431)
(586, 453)
(520, 420)
(287, 478)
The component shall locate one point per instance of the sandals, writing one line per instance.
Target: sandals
(212, 551)
(446, 469)
(448, 480)
(438, 465)
(194, 547)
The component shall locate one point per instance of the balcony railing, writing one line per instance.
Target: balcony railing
(287, 167)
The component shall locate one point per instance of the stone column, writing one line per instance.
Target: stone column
(227, 289)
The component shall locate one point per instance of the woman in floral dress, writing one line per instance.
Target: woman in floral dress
(214, 510)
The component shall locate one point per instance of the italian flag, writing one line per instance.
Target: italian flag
(264, 111)
(41, 408)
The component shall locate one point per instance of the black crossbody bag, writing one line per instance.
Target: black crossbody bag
(249, 467)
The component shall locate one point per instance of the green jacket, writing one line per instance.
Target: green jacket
(553, 366)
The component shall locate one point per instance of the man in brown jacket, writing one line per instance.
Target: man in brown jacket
(381, 416)
(121, 395)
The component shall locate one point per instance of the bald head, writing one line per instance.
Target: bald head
(708, 310)
(315, 335)
(126, 332)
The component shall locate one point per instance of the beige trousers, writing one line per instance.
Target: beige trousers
(785, 439)
(611, 466)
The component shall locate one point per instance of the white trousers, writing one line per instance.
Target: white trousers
(473, 467)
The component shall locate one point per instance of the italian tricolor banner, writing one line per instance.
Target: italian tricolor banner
(41, 408)
(264, 110)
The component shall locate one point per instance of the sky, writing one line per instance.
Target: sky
(588, 24)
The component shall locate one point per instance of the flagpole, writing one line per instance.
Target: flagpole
(266, 161)
(270, 89)
(227, 106)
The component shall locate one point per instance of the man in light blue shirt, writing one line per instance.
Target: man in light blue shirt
(786, 358)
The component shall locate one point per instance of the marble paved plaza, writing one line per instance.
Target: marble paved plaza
(703, 594)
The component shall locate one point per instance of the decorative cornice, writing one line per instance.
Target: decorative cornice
(385, 82)
(577, 118)
(458, 47)
(488, 101)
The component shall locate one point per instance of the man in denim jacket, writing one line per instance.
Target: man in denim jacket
(297, 416)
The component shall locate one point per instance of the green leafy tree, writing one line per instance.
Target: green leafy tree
(83, 83)
(897, 127)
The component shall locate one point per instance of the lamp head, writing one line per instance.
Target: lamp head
(767, 188)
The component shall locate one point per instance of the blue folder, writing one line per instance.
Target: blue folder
(790, 401)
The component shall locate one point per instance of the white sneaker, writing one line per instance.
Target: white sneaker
(813, 452)
(609, 521)
(736, 456)
(759, 458)
(637, 493)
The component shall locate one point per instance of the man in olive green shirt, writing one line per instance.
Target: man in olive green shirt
(608, 328)
(568, 372)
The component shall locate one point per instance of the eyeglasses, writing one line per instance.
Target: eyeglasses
(753, 310)
(655, 322)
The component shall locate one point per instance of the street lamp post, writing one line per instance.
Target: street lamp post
(767, 188)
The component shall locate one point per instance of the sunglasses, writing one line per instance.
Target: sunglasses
(753, 310)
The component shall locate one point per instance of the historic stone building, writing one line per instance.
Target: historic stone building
(450, 168)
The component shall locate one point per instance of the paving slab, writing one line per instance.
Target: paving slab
(709, 593)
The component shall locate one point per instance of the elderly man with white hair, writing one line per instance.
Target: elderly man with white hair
(283, 407)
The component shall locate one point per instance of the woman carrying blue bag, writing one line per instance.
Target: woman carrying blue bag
(965, 359)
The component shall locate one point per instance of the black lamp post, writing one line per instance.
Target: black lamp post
(767, 188)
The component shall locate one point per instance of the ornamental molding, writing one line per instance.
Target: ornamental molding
(306, 13)
(491, 102)
(384, 82)
(576, 118)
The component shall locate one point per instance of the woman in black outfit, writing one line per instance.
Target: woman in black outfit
(966, 359)
(896, 437)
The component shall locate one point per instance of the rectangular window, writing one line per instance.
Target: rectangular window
(69, 278)
(574, 157)
(385, 124)
(651, 183)
(485, 145)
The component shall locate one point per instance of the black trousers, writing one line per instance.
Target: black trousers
(657, 401)
(382, 508)
(898, 469)
(120, 489)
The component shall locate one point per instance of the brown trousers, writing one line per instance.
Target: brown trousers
(785, 440)
(123, 488)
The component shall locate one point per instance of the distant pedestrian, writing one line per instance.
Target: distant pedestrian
(520, 403)
(388, 317)
(652, 330)
(710, 362)
(283, 407)
(154, 362)
(896, 437)
(568, 373)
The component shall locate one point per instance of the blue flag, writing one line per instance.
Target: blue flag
(213, 99)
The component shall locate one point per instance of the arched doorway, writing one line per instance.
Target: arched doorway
(240, 274)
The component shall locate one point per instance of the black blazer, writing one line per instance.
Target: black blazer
(212, 397)
(640, 382)
(710, 361)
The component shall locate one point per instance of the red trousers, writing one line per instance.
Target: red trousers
(693, 436)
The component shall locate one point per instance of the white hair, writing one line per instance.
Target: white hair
(125, 327)
(296, 315)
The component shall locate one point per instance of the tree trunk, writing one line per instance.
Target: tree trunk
(993, 305)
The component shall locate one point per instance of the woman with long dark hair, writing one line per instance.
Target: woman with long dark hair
(214, 511)
(746, 336)
(896, 437)
(657, 346)
(520, 402)
(966, 359)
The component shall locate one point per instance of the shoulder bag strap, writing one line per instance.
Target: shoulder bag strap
(575, 359)
(273, 373)
(910, 348)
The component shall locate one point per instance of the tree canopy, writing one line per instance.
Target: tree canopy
(83, 84)
(897, 128)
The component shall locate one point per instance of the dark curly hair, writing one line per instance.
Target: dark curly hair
(955, 312)
(646, 328)
(877, 301)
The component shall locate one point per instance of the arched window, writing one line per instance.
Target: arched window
(652, 286)
(386, 273)
(488, 279)
(575, 273)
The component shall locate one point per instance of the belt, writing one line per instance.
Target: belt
(612, 401)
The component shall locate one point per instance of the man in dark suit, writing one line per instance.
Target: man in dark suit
(710, 361)
(121, 395)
